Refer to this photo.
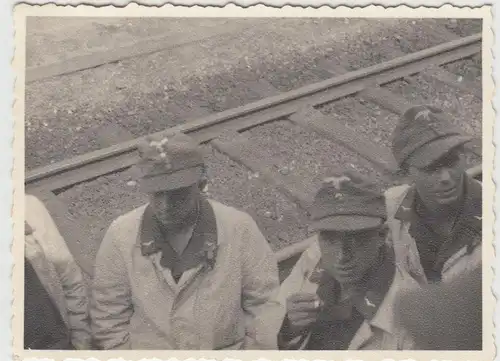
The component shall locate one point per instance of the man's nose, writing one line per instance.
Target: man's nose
(445, 175)
(345, 253)
(163, 202)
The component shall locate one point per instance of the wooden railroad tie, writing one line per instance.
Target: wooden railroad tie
(378, 155)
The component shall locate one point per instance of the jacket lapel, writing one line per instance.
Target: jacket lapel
(206, 242)
(400, 209)
(160, 293)
(153, 292)
(363, 334)
(200, 250)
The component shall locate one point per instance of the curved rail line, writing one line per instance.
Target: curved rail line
(298, 106)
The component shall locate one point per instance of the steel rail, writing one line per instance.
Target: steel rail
(121, 156)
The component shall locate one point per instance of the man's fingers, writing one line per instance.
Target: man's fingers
(305, 306)
(303, 297)
(302, 315)
(302, 322)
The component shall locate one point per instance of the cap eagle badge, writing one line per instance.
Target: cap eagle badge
(158, 153)
(337, 181)
(423, 113)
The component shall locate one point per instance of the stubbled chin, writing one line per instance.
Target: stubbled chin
(348, 277)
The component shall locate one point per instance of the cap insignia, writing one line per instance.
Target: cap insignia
(337, 181)
(423, 113)
(369, 303)
(161, 150)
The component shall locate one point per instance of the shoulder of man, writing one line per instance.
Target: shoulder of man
(396, 192)
(127, 221)
(30, 199)
(393, 198)
(225, 213)
(33, 206)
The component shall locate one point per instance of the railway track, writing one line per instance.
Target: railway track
(240, 137)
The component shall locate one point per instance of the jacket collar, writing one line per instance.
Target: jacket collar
(370, 297)
(384, 318)
(201, 249)
(406, 211)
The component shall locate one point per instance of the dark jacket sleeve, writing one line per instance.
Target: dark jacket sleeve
(444, 316)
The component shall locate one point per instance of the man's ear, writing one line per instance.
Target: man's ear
(203, 185)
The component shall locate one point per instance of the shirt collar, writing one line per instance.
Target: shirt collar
(406, 210)
(473, 203)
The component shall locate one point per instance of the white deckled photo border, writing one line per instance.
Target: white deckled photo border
(13, 182)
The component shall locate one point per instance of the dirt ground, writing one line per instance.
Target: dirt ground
(207, 68)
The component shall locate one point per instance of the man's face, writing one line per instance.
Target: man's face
(347, 256)
(441, 183)
(174, 207)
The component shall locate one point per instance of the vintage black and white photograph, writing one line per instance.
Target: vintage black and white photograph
(256, 183)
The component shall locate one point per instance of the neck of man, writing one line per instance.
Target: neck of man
(179, 235)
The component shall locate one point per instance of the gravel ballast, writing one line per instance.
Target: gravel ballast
(466, 110)
(373, 122)
(470, 69)
(294, 151)
(156, 91)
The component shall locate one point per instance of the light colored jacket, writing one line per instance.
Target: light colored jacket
(381, 333)
(136, 304)
(405, 246)
(57, 270)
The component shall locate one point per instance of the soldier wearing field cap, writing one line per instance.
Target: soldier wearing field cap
(436, 220)
(182, 271)
(340, 293)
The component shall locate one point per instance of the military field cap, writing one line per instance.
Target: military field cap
(168, 163)
(347, 202)
(421, 138)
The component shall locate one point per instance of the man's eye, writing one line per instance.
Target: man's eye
(448, 161)
(432, 168)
